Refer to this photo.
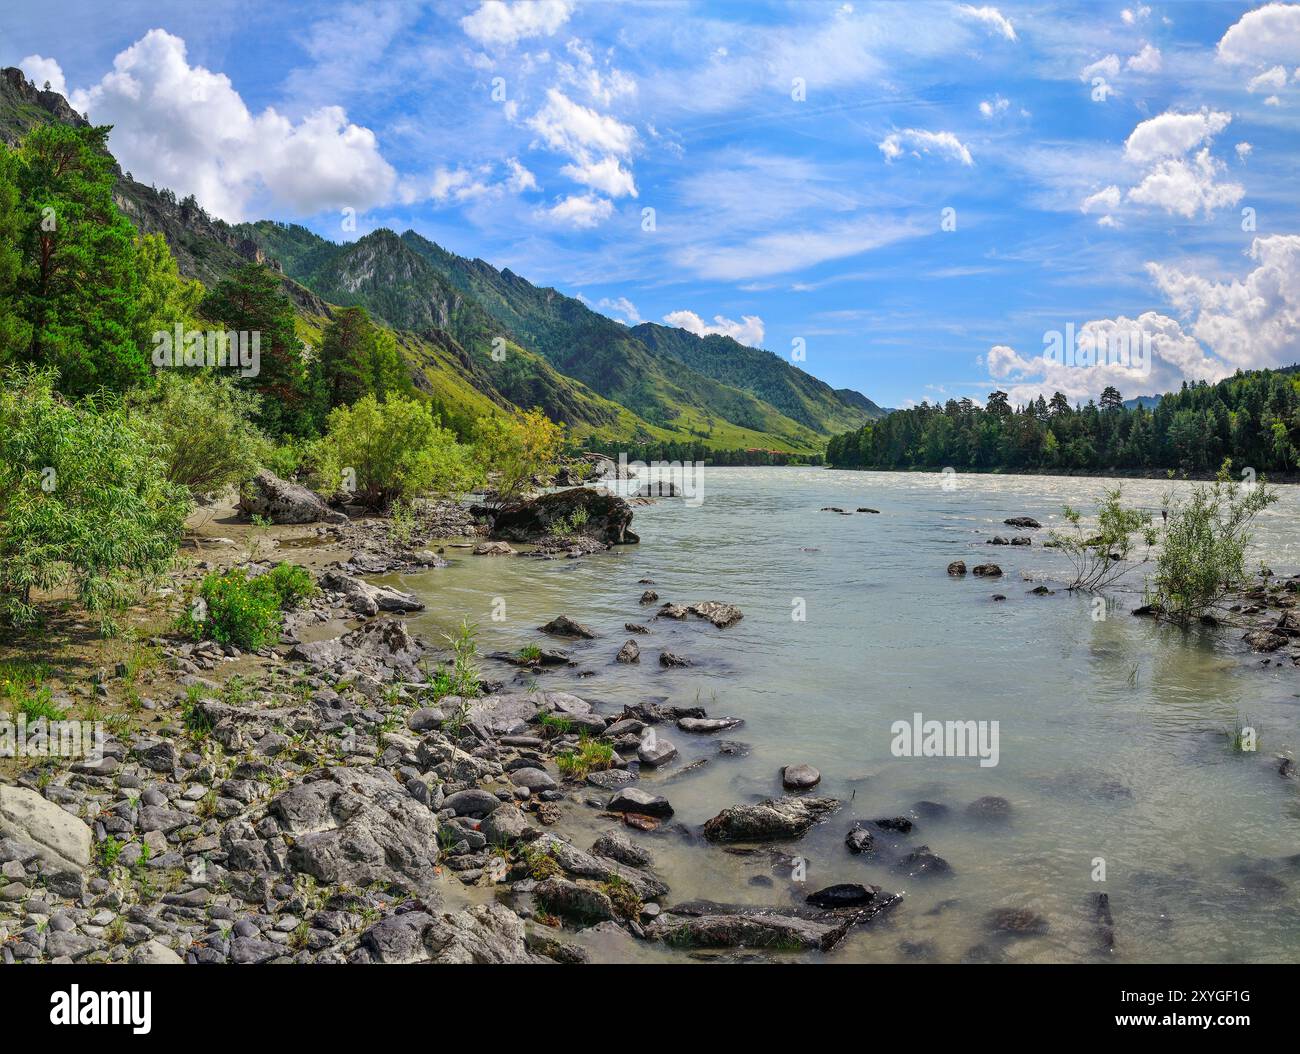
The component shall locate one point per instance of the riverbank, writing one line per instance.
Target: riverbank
(265, 785)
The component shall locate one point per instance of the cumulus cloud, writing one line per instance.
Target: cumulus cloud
(1132, 15)
(1251, 322)
(497, 23)
(1186, 186)
(1172, 134)
(919, 141)
(1267, 34)
(602, 85)
(1148, 60)
(187, 128)
(41, 70)
(1248, 323)
(748, 331)
(1105, 67)
(579, 211)
(1243, 151)
(1105, 201)
(605, 175)
(574, 129)
(990, 17)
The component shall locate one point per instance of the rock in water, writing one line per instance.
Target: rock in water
(771, 820)
(957, 568)
(1022, 521)
(630, 652)
(720, 614)
(630, 799)
(280, 501)
(987, 571)
(667, 658)
(799, 777)
(563, 626)
(608, 517)
(844, 895)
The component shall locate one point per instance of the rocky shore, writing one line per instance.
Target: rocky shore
(317, 802)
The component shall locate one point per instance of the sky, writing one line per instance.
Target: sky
(909, 199)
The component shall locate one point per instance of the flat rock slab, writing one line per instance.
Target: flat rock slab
(60, 839)
(720, 614)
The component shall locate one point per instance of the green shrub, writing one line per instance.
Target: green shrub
(516, 449)
(203, 426)
(247, 612)
(1100, 555)
(84, 501)
(389, 450)
(1203, 559)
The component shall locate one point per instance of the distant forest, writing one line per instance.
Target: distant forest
(1252, 418)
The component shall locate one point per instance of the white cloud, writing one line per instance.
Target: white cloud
(1105, 200)
(622, 308)
(894, 145)
(579, 211)
(1148, 60)
(585, 75)
(499, 23)
(1187, 186)
(456, 184)
(1267, 34)
(1249, 323)
(793, 249)
(1106, 67)
(574, 129)
(991, 17)
(518, 178)
(186, 128)
(1172, 134)
(1003, 361)
(1243, 151)
(605, 175)
(993, 107)
(40, 70)
(1270, 80)
(1131, 16)
(748, 331)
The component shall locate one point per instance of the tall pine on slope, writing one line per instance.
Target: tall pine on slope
(250, 301)
(358, 358)
(77, 285)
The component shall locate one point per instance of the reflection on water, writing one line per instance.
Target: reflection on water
(1112, 744)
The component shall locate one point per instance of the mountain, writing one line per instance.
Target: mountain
(1147, 402)
(479, 338)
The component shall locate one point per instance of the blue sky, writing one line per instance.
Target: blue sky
(798, 159)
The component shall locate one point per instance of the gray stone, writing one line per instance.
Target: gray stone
(59, 838)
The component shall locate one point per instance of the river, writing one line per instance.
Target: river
(1112, 750)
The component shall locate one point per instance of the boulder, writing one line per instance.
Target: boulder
(359, 825)
(705, 725)
(1022, 521)
(776, 819)
(720, 614)
(799, 777)
(655, 751)
(1265, 640)
(366, 599)
(633, 799)
(59, 838)
(989, 809)
(667, 658)
(563, 626)
(582, 904)
(493, 549)
(629, 653)
(659, 489)
(608, 517)
(987, 571)
(957, 568)
(280, 501)
(843, 895)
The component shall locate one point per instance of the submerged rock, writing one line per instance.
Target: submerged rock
(1022, 521)
(708, 724)
(772, 820)
(667, 658)
(1017, 922)
(957, 568)
(990, 808)
(843, 895)
(987, 571)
